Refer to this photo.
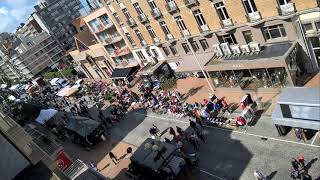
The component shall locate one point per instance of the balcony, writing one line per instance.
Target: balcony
(169, 37)
(131, 22)
(107, 24)
(120, 52)
(156, 13)
(189, 3)
(143, 43)
(185, 32)
(103, 26)
(227, 22)
(171, 6)
(143, 18)
(254, 16)
(111, 40)
(287, 9)
(204, 28)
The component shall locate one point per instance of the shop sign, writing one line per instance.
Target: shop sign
(63, 161)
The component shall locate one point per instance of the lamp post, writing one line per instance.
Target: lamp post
(196, 59)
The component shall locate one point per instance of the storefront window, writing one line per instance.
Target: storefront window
(244, 79)
(223, 79)
(279, 77)
(261, 78)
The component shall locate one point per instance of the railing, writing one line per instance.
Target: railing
(287, 9)
(131, 22)
(227, 22)
(169, 36)
(142, 17)
(190, 2)
(107, 24)
(171, 6)
(110, 40)
(254, 16)
(121, 52)
(156, 13)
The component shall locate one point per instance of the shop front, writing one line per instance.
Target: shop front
(275, 66)
(153, 72)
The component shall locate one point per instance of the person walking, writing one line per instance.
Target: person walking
(113, 157)
(193, 142)
(200, 135)
(258, 175)
(193, 125)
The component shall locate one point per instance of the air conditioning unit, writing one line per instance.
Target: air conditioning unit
(255, 47)
(217, 50)
(245, 49)
(226, 48)
(235, 49)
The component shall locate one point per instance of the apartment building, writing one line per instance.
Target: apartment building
(233, 39)
(56, 17)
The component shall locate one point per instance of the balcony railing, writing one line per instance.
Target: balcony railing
(131, 22)
(254, 16)
(191, 2)
(107, 24)
(143, 43)
(204, 28)
(185, 32)
(120, 52)
(143, 18)
(111, 40)
(287, 9)
(169, 37)
(156, 40)
(227, 23)
(171, 6)
(156, 13)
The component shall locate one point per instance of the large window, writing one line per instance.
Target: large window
(272, 32)
(152, 4)
(173, 50)
(247, 36)
(315, 42)
(194, 46)
(200, 20)
(284, 2)
(129, 38)
(180, 23)
(166, 51)
(221, 10)
(164, 27)
(140, 55)
(138, 33)
(229, 38)
(138, 8)
(204, 44)
(94, 24)
(250, 6)
(151, 32)
(126, 13)
(307, 27)
(186, 48)
(155, 53)
(116, 16)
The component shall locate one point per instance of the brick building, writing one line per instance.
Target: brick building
(276, 40)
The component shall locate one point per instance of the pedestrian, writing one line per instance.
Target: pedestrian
(180, 131)
(301, 161)
(300, 134)
(172, 132)
(294, 164)
(194, 143)
(113, 157)
(258, 175)
(200, 135)
(193, 125)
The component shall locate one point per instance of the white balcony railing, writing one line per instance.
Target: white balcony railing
(204, 28)
(186, 32)
(156, 40)
(254, 16)
(227, 22)
(287, 9)
(169, 36)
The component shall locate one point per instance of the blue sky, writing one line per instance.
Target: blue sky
(13, 12)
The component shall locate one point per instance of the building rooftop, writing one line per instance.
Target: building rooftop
(85, 37)
(268, 51)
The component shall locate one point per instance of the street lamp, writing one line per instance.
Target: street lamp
(196, 59)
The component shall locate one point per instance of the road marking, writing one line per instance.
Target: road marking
(315, 137)
(212, 174)
(235, 131)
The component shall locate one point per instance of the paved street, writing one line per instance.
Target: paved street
(228, 154)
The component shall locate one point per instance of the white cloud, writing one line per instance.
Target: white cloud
(13, 12)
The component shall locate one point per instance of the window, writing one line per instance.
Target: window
(166, 51)
(126, 13)
(200, 20)
(307, 27)
(318, 25)
(228, 38)
(247, 36)
(173, 50)
(250, 6)
(138, 8)
(152, 4)
(94, 24)
(138, 33)
(164, 27)
(284, 2)
(116, 16)
(276, 31)
(180, 23)
(186, 48)
(155, 53)
(221, 11)
(140, 55)
(129, 38)
(151, 32)
(194, 46)
(204, 44)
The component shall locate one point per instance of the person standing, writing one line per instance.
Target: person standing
(200, 135)
(193, 125)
